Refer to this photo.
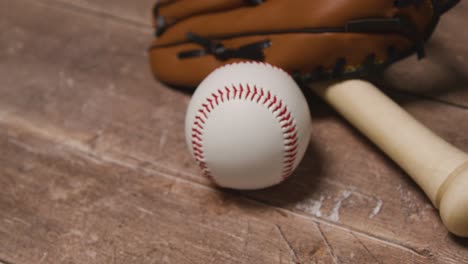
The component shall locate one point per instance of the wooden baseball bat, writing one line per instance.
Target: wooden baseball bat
(439, 168)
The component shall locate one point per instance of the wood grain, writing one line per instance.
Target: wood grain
(60, 205)
(138, 12)
(80, 82)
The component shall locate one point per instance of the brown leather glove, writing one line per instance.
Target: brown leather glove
(310, 39)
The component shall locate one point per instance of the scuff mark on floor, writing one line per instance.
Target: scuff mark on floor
(335, 212)
(312, 207)
(376, 209)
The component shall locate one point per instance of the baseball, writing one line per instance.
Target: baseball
(248, 126)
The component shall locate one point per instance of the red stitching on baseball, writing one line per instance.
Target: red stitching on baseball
(255, 92)
(195, 136)
(290, 130)
(273, 101)
(221, 95)
(215, 98)
(198, 125)
(290, 123)
(206, 108)
(241, 89)
(228, 92)
(248, 92)
(197, 144)
(287, 117)
(268, 98)
(235, 91)
(257, 63)
(203, 113)
(292, 143)
(261, 95)
(198, 153)
(200, 119)
(196, 131)
(278, 106)
(279, 110)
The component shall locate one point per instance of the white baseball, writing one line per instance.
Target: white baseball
(248, 126)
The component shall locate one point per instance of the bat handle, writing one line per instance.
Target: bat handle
(439, 168)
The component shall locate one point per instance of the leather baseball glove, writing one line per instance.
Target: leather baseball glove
(310, 39)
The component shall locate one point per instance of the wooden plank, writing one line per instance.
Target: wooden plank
(83, 82)
(442, 75)
(81, 209)
(136, 12)
(60, 205)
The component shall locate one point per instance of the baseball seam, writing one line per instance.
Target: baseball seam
(254, 62)
(257, 95)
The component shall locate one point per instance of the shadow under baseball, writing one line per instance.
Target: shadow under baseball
(303, 183)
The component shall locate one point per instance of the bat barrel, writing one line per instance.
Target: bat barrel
(439, 168)
(453, 201)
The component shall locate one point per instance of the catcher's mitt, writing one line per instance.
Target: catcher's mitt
(311, 39)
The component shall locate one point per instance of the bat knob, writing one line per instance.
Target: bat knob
(454, 202)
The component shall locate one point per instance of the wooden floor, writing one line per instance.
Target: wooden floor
(94, 168)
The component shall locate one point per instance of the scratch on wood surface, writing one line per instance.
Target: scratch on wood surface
(91, 253)
(137, 25)
(15, 47)
(335, 213)
(44, 256)
(12, 220)
(312, 207)
(146, 211)
(330, 249)
(291, 249)
(94, 140)
(74, 232)
(406, 197)
(65, 80)
(376, 209)
(163, 139)
(364, 246)
(413, 210)
(246, 237)
(22, 145)
(56, 135)
(19, 220)
(353, 189)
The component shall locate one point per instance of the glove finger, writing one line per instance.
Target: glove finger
(167, 13)
(289, 16)
(445, 5)
(295, 53)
